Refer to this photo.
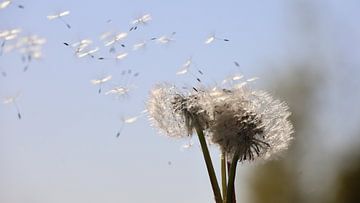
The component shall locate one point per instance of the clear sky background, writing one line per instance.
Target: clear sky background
(65, 149)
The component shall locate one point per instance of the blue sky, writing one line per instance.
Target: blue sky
(65, 150)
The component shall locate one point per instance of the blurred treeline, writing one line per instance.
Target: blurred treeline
(319, 166)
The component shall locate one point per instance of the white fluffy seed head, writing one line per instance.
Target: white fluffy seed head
(175, 113)
(249, 123)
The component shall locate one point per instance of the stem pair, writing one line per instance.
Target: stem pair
(228, 190)
(209, 165)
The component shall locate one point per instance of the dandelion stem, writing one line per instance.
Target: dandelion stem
(230, 196)
(209, 165)
(223, 175)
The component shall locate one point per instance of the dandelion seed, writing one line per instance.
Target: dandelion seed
(60, 17)
(5, 4)
(80, 45)
(131, 120)
(252, 79)
(88, 53)
(232, 79)
(118, 37)
(31, 48)
(142, 20)
(240, 85)
(124, 89)
(187, 145)
(26, 68)
(101, 81)
(121, 56)
(185, 67)
(165, 39)
(111, 40)
(105, 35)
(139, 45)
(133, 28)
(128, 120)
(12, 100)
(236, 64)
(120, 91)
(8, 35)
(212, 38)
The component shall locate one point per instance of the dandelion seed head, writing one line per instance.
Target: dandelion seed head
(161, 111)
(249, 123)
(173, 112)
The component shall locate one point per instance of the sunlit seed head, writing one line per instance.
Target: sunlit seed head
(161, 111)
(249, 123)
(176, 113)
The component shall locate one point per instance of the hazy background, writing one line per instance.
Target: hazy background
(65, 149)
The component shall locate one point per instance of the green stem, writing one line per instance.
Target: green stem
(223, 175)
(209, 165)
(230, 196)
